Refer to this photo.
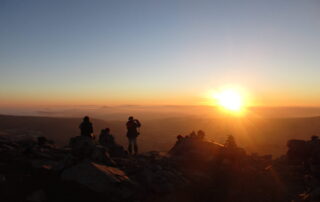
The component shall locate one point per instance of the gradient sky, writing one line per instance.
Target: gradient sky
(158, 52)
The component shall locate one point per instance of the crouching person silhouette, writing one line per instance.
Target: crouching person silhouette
(132, 134)
(106, 139)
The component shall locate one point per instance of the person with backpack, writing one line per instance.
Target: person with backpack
(132, 134)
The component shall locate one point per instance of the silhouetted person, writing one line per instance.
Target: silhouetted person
(106, 139)
(314, 141)
(179, 138)
(314, 147)
(132, 134)
(193, 134)
(201, 134)
(86, 127)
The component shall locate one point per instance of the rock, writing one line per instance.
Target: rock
(2, 178)
(37, 196)
(117, 151)
(315, 194)
(99, 154)
(6, 147)
(24, 141)
(196, 150)
(82, 145)
(311, 181)
(44, 142)
(159, 180)
(68, 161)
(43, 155)
(43, 164)
(315, 170)
(297, 151)
(85, 148)
(99, 178)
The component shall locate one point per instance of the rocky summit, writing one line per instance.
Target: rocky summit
(35, 170)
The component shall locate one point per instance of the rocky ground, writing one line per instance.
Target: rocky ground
(193, 170)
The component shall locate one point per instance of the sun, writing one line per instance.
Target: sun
(229, 99)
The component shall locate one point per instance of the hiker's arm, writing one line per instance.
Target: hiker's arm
(138, 123)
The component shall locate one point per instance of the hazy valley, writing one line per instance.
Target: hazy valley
(264, 131)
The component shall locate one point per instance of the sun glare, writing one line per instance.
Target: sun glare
(229, 99)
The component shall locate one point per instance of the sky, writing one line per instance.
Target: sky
(164, 52)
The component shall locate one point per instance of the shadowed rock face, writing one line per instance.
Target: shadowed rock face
(193, 170)
(99, 178)
(304, 152)
(84, 148)
(196, 149)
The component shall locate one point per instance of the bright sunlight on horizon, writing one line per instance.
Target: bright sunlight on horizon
(229, 99)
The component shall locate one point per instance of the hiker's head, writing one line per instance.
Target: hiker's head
(107, 130)
(201, 134)
(86, 119)
(130, 118)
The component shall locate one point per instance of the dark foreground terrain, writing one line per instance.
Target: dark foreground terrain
(193, 170)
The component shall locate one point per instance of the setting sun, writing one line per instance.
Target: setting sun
(229, 99)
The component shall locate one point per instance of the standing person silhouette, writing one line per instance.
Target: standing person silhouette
(86, 127)
(132, 134)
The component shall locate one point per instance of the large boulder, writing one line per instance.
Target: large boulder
(84, 148)
(100, 154)
(117, 151)
(298, 151)
(199, 150)
(82, 145)
(100, 178)
(158, 179)
(154, 173)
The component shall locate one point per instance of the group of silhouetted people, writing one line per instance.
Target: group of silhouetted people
(192, 136)
(107, 140)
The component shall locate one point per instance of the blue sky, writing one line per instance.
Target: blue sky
(168, 52)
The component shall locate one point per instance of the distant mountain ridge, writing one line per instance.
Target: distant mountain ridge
(58, 129)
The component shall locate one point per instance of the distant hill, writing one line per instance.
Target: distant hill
(58, 129)
(256, 134)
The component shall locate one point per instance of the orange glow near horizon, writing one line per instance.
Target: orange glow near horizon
(230, 100)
